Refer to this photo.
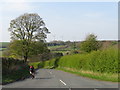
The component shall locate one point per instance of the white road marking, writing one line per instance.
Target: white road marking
(63, 82)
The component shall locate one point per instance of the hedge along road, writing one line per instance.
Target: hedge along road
(50, 78)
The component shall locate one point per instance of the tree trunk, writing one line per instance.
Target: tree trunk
(25, 58)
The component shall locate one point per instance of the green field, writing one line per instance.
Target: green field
(4, 44)
(54, 47)
(62, 49)
(2, 49)
(0, 52)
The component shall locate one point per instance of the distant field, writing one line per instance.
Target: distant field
(54, 47)
(61, 48)
(0, 53)
(4, 44)
(2, 49)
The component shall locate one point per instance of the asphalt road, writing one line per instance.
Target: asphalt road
(50, 78)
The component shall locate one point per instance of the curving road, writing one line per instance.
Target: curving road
(50, 78)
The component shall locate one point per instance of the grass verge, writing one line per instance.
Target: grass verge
(94, 75)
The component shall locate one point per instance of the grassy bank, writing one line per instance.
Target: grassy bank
(101, 64)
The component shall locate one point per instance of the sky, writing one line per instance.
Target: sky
(67, 21)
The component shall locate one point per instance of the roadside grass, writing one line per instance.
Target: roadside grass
(94, 75)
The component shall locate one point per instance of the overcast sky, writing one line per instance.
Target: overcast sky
(66, 20)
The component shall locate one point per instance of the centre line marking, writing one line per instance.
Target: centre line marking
(63, 82)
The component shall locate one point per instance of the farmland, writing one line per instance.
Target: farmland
(3, 46)
(65, 47)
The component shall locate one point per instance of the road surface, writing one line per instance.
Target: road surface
(50, 78)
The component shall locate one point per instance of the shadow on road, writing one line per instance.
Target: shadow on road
(43, 78)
